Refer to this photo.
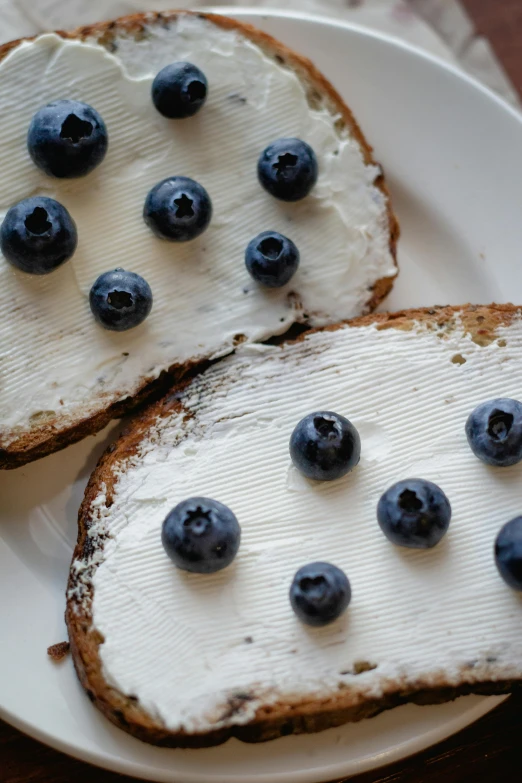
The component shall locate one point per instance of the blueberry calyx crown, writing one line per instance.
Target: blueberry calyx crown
(201, 535)
(120, 300)
(325, 446)
(414, 513)
(177, 209)
(67, 139)
(494, 432)
(319, 593)
(179, 90)
(288, 169)
(271, 259)
(38, 235)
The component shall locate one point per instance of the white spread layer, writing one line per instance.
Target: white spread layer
(54, 358)
(185, 644)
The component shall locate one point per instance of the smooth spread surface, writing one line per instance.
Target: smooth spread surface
(188, 647)
(54, 360)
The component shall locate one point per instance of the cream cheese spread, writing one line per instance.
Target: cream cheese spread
(188, 646)
(55, 361)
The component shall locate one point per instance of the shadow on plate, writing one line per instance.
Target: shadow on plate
(40, 502)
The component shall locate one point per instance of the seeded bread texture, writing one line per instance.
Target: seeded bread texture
(53, 434)
(271, 721)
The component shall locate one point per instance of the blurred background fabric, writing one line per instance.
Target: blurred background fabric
(441, 27)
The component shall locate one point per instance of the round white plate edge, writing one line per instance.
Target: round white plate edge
(239, 12)
(409, 746)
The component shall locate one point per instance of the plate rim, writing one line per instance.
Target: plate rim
(123, 765)
(369, 32)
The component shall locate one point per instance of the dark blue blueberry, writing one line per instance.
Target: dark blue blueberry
(67, 139)
(414, 513)
(508, 553)
(325, 446)
(494, 432)
(288, 169)
(320, 593)
(120, 300)
(38, 235)
(177, 209)
(272, 259)
(201, 535)
(179, 90)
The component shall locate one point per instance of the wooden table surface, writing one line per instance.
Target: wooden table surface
(490, 751)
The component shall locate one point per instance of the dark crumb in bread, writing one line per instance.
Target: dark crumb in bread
(58, 652)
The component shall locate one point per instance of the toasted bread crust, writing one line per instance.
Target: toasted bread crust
(279, 719)
(52, 436)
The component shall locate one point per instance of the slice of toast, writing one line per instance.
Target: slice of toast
(183, 659)
(61, 375)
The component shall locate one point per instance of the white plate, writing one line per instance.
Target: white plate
(452, 156)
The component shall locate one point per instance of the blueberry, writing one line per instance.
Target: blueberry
(288, 169)
(201, 535)
(38, 235)
(272, 259)
(494, 432)
(508, 553)
(67, 139)
(179, 90)
(325, 446)
(320, 593)
(120, 300)
(177, 209)
(414, 513)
